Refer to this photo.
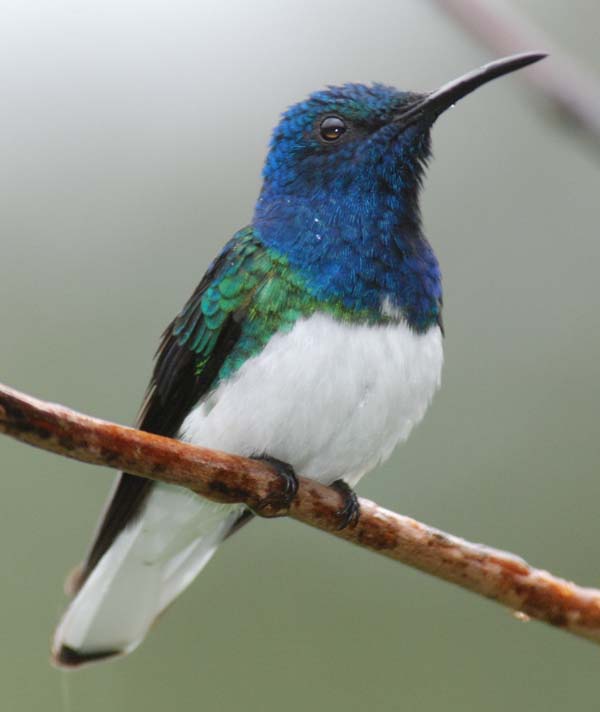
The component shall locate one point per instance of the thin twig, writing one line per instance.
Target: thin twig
(574, 91)
(495, 574)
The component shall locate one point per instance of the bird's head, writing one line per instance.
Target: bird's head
(357, 138)
(340, 193)
(337, 136)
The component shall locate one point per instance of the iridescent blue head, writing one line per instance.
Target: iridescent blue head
(340, 193)
(345, 139)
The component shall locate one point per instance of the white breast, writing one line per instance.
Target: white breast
(331, 399)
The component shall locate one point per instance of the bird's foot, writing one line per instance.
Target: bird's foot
(277, 503)
(349, 514)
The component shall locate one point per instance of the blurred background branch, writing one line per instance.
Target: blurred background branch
(573, 91)
(132, 139)
(494, 574)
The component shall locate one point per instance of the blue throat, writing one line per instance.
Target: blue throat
(354, 232)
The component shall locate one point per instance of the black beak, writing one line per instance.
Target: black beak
(431, 105)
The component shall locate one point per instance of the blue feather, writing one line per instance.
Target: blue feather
(347, 218)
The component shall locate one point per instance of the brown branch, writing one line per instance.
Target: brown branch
(495, 574)
(574, 91)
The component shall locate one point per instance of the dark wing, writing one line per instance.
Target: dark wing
(193, 349)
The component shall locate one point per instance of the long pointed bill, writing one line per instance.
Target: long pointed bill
(434, 103)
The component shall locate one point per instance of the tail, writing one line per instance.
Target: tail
(149, 564)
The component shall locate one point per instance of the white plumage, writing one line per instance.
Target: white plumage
(330, 398)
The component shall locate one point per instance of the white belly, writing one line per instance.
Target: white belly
(329, 398)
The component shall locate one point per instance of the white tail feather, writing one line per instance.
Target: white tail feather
(150, 563)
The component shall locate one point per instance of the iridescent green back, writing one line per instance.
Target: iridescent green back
(256, 287)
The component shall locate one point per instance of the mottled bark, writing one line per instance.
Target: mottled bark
(494, 574)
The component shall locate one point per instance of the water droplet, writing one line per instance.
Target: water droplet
(520, 616)
(319, 238)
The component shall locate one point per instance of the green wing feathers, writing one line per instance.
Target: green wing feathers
(247, 295)
(251, 285)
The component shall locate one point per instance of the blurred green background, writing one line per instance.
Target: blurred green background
(132, 139)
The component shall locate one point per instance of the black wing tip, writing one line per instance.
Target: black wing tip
(68, 658)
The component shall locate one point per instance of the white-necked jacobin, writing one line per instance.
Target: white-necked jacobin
(313, 341)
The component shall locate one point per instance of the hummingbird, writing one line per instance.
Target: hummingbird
(313, 342)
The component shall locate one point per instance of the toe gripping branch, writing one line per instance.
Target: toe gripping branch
(277, 504)
(349, 514)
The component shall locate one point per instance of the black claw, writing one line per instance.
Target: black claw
(278, 503)
(349, 514)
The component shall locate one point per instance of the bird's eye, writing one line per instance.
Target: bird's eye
(332, 128)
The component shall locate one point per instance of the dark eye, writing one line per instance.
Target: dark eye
(332, 128)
